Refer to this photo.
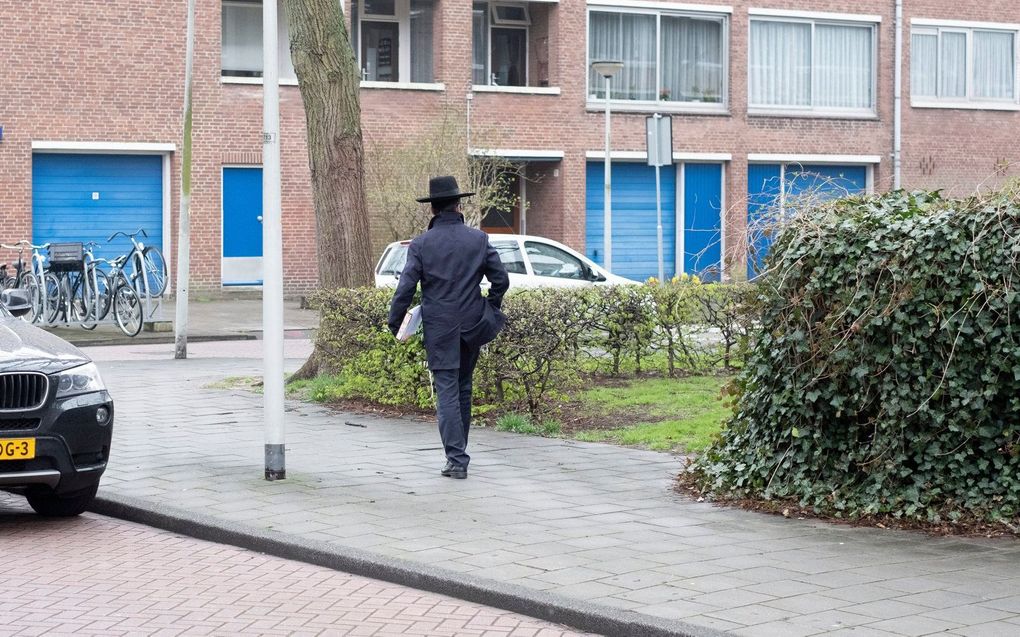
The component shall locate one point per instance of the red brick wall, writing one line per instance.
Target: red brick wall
(957, 150)
(113, 72)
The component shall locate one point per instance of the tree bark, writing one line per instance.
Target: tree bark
(329, 81)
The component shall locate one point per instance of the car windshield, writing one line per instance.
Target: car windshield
(393, 262)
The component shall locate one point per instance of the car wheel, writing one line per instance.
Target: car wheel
(66, 505)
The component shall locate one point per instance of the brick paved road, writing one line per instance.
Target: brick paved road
(587, 521)
(99, 576)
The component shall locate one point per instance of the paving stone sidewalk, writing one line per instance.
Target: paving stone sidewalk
(592, 522)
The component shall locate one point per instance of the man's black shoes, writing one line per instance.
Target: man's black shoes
(454, 471)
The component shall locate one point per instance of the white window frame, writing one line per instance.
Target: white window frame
(494, 8)
(283, 49)
(969, 101)
(402, 18)
(811, 110)
(704, 12)
(490, 22)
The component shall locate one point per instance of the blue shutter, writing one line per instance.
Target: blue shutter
(89, 197)
(703, 220)
(635, 251)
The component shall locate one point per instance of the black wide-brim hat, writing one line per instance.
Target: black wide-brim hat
(441, 188)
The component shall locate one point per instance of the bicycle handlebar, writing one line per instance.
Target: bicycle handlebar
(24, 243)
(140, 231)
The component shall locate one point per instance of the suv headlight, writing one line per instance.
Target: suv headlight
(79, 380)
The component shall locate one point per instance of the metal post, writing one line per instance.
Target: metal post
(184, 223)
(607, 230)
(272, 240)
(658, 220)
(898, 97)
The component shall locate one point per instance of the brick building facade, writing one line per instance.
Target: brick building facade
(758, 91)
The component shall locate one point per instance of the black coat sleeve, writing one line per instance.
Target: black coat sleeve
(406, 288)
(495, 272)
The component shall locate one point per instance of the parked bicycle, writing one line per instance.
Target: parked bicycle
(120, 296)
(148, 273)
(34, 279)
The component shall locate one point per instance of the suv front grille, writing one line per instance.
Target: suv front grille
(22, 391)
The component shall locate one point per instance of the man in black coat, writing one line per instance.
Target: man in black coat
(449, 260)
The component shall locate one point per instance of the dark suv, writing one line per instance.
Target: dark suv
(56, 417)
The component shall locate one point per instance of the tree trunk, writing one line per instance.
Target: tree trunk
(329, 81)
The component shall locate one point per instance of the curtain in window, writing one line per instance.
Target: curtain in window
(241, 34)
(480, 43)
(629, 38)
(421, 41)
(637, 80)
(993, 64)
(924, 48)
(283, 43)
(842, 66)
(780, 63)
(953, 65)
(692, 68)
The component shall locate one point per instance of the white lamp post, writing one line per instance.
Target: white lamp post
(607, 69)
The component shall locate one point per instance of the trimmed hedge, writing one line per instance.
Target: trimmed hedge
(885, 378)
(553, 337)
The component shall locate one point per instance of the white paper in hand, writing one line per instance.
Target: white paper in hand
(412, 320)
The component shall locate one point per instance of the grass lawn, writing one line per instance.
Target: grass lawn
(667, 414)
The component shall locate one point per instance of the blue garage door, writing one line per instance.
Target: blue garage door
(89, 197)
(702, 212)
(792, 185)
(635, 252)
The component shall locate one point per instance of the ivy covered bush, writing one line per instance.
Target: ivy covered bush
(885, 376)
(553, 338)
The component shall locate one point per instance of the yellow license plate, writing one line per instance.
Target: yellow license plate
(17, 448)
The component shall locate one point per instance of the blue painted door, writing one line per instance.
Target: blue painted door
(799, 185)
(89, 197)
(242, 226)
(702, 213)
(634, 237)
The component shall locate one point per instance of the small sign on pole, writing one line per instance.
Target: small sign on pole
(659, 133)
(659, 137)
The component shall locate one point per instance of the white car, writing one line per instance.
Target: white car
(531, 262)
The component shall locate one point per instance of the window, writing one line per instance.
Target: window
(547, 260)
(962, 64)
(393, 39)
(812, 66)
(510, 255)
(500, 44)
(241, 40)
(667, 56)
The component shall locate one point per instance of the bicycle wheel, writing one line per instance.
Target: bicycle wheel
(127, 309)
(30, 284)
(155, 270)
(53, 288)
(87, 298)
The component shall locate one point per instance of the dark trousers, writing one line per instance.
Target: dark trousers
(453, 405)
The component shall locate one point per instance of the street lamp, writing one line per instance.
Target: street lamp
(607, 69)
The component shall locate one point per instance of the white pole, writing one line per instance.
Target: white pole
(272, 241)
(184, 223)
(658, 219)
(898, 97)
(607, 231)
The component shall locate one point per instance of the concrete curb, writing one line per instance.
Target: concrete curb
(153, 340)
(577, 614)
